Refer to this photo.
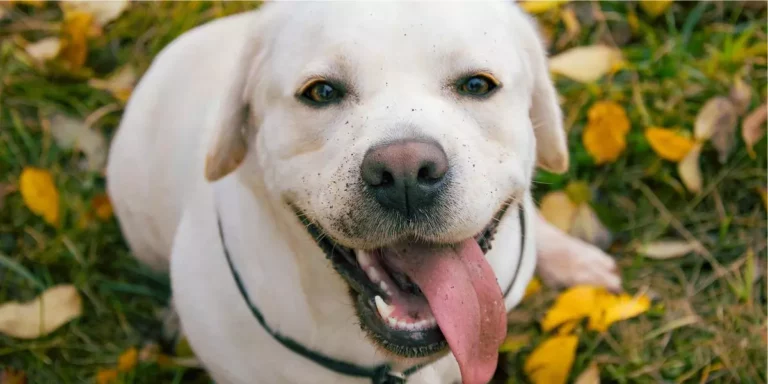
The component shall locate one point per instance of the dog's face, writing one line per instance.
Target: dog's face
(392, 128)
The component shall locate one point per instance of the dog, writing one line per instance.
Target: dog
(341, 191)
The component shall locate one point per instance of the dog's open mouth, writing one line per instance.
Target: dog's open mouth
(416, 299)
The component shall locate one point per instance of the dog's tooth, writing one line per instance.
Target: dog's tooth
(431, 322)
(373, 274)
(392, 322)
(402, 324)
(384, 309)
(363, 259)
(411, 326)
(384, 286)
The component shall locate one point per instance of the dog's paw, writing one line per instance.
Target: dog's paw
(578, 263)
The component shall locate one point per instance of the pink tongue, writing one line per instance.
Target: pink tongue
(465, 299)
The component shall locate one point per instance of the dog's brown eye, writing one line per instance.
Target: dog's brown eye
(321, 92)
(478, 85)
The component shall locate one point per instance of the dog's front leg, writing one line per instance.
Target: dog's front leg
(566, 261)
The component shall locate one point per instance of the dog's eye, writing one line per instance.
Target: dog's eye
(477, 85)
(321, 92)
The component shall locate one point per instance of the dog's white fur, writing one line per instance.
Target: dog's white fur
(214, 126)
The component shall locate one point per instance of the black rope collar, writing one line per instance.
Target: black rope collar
(381, 374)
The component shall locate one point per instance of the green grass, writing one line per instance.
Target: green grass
(708, 311)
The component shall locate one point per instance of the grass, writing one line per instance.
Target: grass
(708, 320)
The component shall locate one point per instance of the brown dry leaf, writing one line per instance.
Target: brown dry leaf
(610, 308)
(102, 206)
(74, 133)
(558, 210)
(690, 170)
(55, 307)
(541, 6)
(753, 128)
(514, 343)
(667, 249)
(591, 375)
(45, 49)
(573, 304)
(551, 362)
(40, 194)
(103, 11)
(716, 121)
(587, 226)
(128, 360)
(12, 376)
(74, 34)
(654, 8)
(604, 137)
(586, 64)
(119, 84)
(668, 144)
(740, 95)
(106, 376)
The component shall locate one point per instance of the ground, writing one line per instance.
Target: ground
(707, 322)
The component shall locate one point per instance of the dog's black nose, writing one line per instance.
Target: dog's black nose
(405, 175)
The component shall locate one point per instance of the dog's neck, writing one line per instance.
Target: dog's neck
(287, 275)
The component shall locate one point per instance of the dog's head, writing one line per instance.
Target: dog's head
(398, 133)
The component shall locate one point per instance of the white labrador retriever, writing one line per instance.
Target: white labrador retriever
(325, 182)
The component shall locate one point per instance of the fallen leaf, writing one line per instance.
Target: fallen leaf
(514, 343)
(103, 11)
(45, 49)
(74, 33)
(572, 27)
(533, 287)
(753, 128)
(541, 6)
(106, 376)
(573, 304)
(611, 309)
(604, 137)
(40, 194)
(74, 133)
(579, 192)
(716, 121)
(55, 307)
(654, 8)
(690, 170)
(12, 376)
(587, 226)
(551, 362)
(558, 209)
(585, 64)
(591, 375)
(668, 144)
(740, 95)
(120, 84)
(127, 361)
(102, 206)
(667, 249)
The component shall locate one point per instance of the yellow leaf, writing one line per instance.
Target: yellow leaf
(575, 303)
(514, 343)
(102, 206)
(668, 144)
(551, 362)
(591, 375)
(127, 360)
(75, 31)
(40, 194)
(567, 328)
(541, 6)
(533, 287)
(604, 137)
(558, 210)
(753, 128)
(585, 64)
(55, 307)
(106, 376)
(612, 308)
(654, 8)
(690, 170)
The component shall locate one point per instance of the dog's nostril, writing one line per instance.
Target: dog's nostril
(386, 179)
(427, 174)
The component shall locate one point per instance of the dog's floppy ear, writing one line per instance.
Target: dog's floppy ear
(233, 124)
(545, 113)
